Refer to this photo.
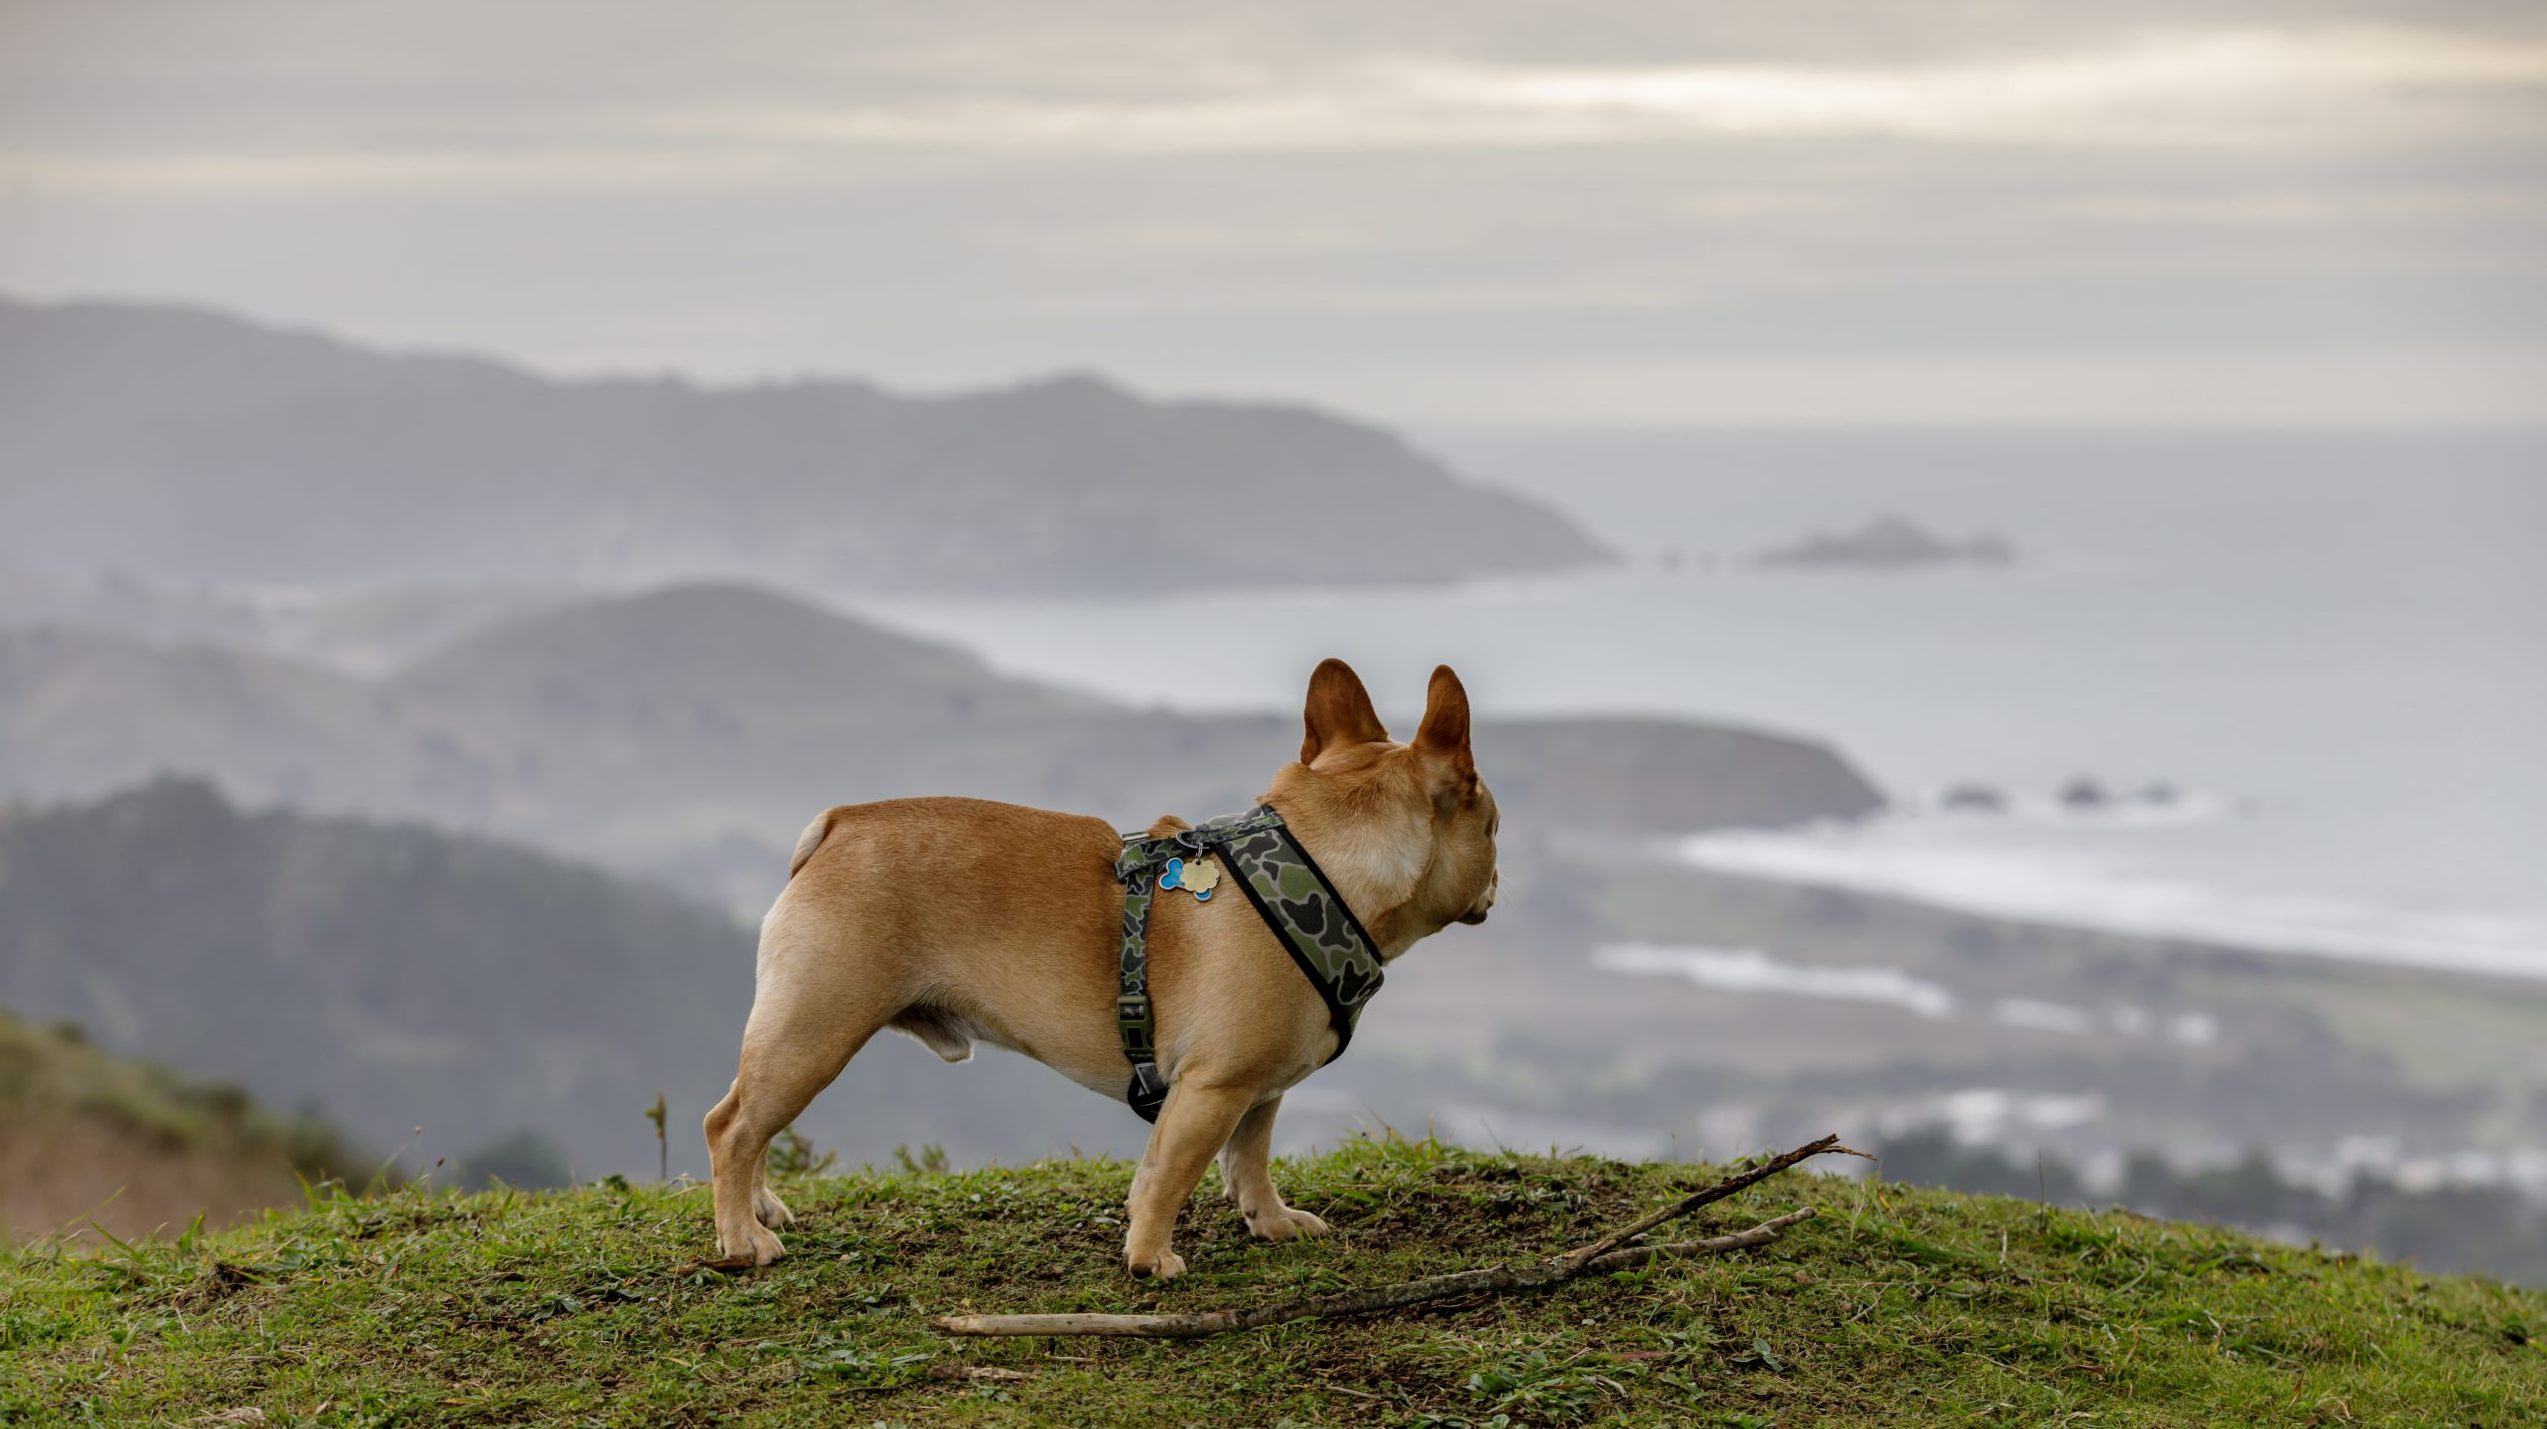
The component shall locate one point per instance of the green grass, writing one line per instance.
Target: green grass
(1898, 1306)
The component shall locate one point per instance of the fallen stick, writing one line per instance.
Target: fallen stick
(1610, 1252)
(1740, 1181)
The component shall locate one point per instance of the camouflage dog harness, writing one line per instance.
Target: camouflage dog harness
(1307, 916)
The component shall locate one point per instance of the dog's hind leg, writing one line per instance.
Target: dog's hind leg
(1246, 1174)
(812, 1011)
(780, 1073)
(766, 1207)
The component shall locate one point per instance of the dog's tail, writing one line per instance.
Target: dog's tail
(811, 839)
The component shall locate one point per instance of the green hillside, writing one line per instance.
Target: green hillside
(91, 1144)
(1896, 1306)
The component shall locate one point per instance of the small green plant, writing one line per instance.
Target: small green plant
(660, 1114)
(1538, 1389)
(855, 1365)
(930, 1162)
(790, 1154)
(24, 1330)
(551, 1306)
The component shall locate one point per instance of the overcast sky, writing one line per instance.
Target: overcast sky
(1477, 214)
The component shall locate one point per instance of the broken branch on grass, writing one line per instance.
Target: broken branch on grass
(1760, 1234)
(1610, 1252)
(1740, 1181)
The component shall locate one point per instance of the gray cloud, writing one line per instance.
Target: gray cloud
(1346, 202)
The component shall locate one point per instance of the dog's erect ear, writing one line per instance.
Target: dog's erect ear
(1339, 711)
(1444, 734)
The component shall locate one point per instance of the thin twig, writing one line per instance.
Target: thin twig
(1601, 1255)
(1741, 1181)
(1760, 1234)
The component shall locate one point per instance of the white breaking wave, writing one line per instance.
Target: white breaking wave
(2042, 1016)
(1950, 865)
(1750, 970)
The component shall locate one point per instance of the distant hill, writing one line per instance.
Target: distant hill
(367, 630)
(82, 711)
(708, 656)
(196, 446)
(392, 977)
(690, 732)
(88, 1137)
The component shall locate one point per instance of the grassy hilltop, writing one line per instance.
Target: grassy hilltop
(1898, 1306)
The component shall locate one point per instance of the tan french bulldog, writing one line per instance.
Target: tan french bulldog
(865, 938)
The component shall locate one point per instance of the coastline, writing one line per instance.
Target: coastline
(1933, 864)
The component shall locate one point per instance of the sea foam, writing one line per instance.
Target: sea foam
(2065, 877)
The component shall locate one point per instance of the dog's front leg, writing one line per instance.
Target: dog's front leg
(1246, 1170)
(1196, 1122)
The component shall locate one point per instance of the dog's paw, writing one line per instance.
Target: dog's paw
(750, 1240)
(771, 1211)
(1286, 1224)
(1166, 1266)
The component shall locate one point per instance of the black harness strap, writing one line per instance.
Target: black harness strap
(1132, 1015)
(1288, 890)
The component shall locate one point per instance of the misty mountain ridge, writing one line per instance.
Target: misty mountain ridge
(690, 732)
(200, 447)
(365, 630)
(717, 647)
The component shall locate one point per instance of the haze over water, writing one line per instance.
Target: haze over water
(2329, 644)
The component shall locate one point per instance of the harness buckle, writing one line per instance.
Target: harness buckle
(1148, 1091)
(1132, 1007)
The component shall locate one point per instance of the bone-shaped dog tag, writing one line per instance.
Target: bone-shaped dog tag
(1202, 875)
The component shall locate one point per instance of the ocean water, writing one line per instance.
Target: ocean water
(2331, 647)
